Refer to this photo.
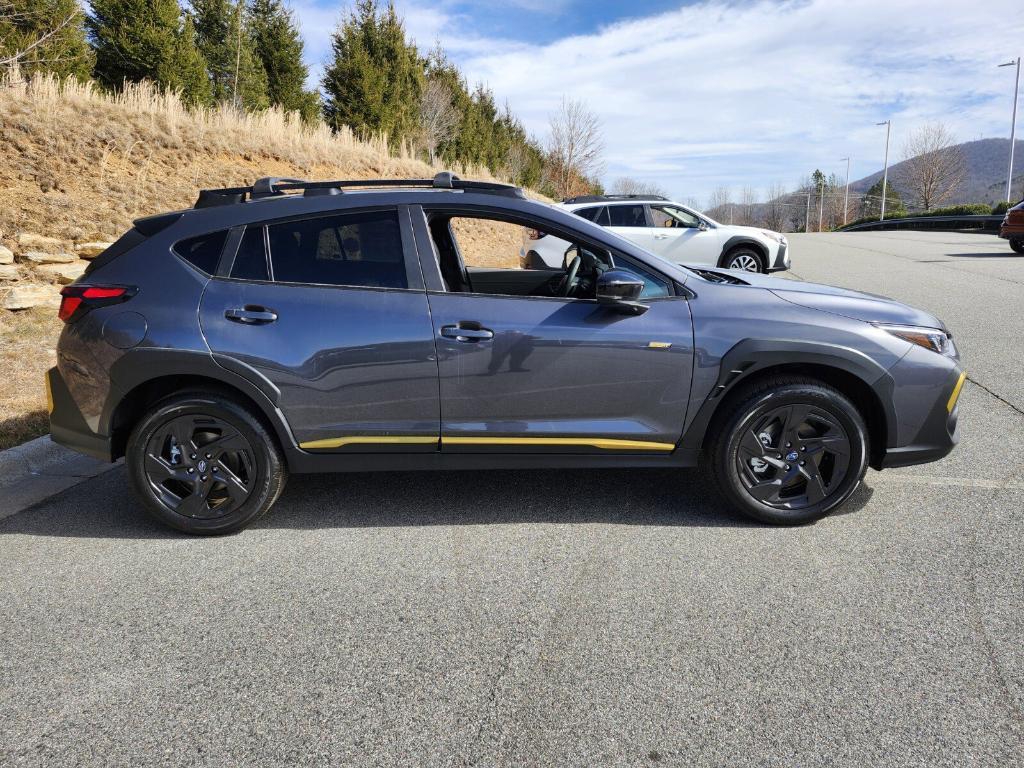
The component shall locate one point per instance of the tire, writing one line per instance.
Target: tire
(1017, 244)
(784, 491)
(744, 259)
(204, 463)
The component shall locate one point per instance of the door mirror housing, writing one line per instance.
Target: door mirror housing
(703, 226)
(619, 290)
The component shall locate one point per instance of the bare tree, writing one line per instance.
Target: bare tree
(575, 146)
(774, 211)
(746, 211)
(438, 116)
(720, 204)
(934, 167)
(627, 185)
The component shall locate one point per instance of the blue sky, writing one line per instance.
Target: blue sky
(699, 95)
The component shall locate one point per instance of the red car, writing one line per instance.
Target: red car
(1013, 227)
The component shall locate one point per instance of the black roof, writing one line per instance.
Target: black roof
(271, 186)
(609, 198)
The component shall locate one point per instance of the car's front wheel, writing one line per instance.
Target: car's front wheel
(789, 451)
(204, 463)
(1017, 243)
(745, 260)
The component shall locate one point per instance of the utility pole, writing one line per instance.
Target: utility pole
(1013, 126)
(821, 201)
(885, 173)
(807, 216)
(238, 54)
(846, 197)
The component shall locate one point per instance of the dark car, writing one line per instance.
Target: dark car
(295, 327)
(1012, 227)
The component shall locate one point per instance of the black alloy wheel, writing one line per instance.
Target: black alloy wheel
(787, 450)
(793, 457)
(204, 463)
(1017, 244)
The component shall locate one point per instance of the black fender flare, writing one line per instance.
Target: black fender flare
(140, 366)
(750, 356)
(736, 240)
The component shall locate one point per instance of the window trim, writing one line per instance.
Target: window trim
(410, 260)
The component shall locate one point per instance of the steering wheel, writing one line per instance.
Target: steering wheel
(570, 281)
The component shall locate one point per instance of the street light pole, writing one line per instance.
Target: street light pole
(885, 173)
(1013, 126)
(846, 197)
(807, 216)
(821, 201)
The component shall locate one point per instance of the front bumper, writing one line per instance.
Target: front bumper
(67, 424)
(781, 260)
(939, 432)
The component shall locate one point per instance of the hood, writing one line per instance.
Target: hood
(840, 301)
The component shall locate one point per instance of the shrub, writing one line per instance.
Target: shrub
(999, 208)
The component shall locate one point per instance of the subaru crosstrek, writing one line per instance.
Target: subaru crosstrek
(295, 327)
(668, 229)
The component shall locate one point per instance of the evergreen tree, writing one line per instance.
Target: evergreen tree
(278, 46)
(147, 40)
(45, 36)
(373, 84)
(871, 207)
(225, 40)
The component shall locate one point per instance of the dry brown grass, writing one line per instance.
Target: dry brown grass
(26, 351)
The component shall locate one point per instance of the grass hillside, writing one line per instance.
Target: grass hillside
(79, 165)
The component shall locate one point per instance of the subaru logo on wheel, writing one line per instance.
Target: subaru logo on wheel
(791, 456)
(202, 465)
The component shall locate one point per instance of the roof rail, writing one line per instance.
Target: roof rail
(271, 186)
(606, 198)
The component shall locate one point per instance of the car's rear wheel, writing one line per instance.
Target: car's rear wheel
(204, 463)
(1017, 243)
(789, 450)
(744, 259)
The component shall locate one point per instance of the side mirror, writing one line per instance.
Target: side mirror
(703, 226)
(619, 290)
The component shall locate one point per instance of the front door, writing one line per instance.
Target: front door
(524, 371)
(331, 309)
(681, 237)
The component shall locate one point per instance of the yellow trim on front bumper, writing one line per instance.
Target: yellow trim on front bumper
(608, 444)
(956, 392)
(341, 442)
(49, 392)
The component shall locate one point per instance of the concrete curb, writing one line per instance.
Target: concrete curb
(39, 469)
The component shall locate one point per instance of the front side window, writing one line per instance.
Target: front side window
(671, 216)
(627, 216)
(353, 249)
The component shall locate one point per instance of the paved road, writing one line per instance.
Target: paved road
(576, 618)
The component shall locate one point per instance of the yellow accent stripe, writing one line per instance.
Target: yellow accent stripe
(659, 344)
(956, 392)
(49, 392)
(340, 442)
(607, 444)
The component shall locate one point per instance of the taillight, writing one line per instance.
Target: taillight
(76, 300)
(534, 234)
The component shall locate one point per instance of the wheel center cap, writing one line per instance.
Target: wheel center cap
(791, 456)
(201, 466)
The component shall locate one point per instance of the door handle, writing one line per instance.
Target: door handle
(661, 236)
(250, 315)
(459, 333)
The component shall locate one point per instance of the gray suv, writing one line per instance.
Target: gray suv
(295, 327)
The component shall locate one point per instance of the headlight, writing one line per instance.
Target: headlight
(935, 339)
(774, 236)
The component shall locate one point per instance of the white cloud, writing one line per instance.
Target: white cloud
(729, 93)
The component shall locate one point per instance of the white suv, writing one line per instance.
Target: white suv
(668, 229)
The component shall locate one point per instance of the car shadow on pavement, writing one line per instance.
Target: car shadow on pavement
(1007, 254)
(105, 507)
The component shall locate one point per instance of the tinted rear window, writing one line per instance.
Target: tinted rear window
(251, 258)
(627, 216)
(598, 214)
(360, 249)
(202, 252)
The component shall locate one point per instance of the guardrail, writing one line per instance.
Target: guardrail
(983, 223)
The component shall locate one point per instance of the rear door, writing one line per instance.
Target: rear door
(332, 311)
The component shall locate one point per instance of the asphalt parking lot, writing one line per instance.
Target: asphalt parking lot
(555, 618)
